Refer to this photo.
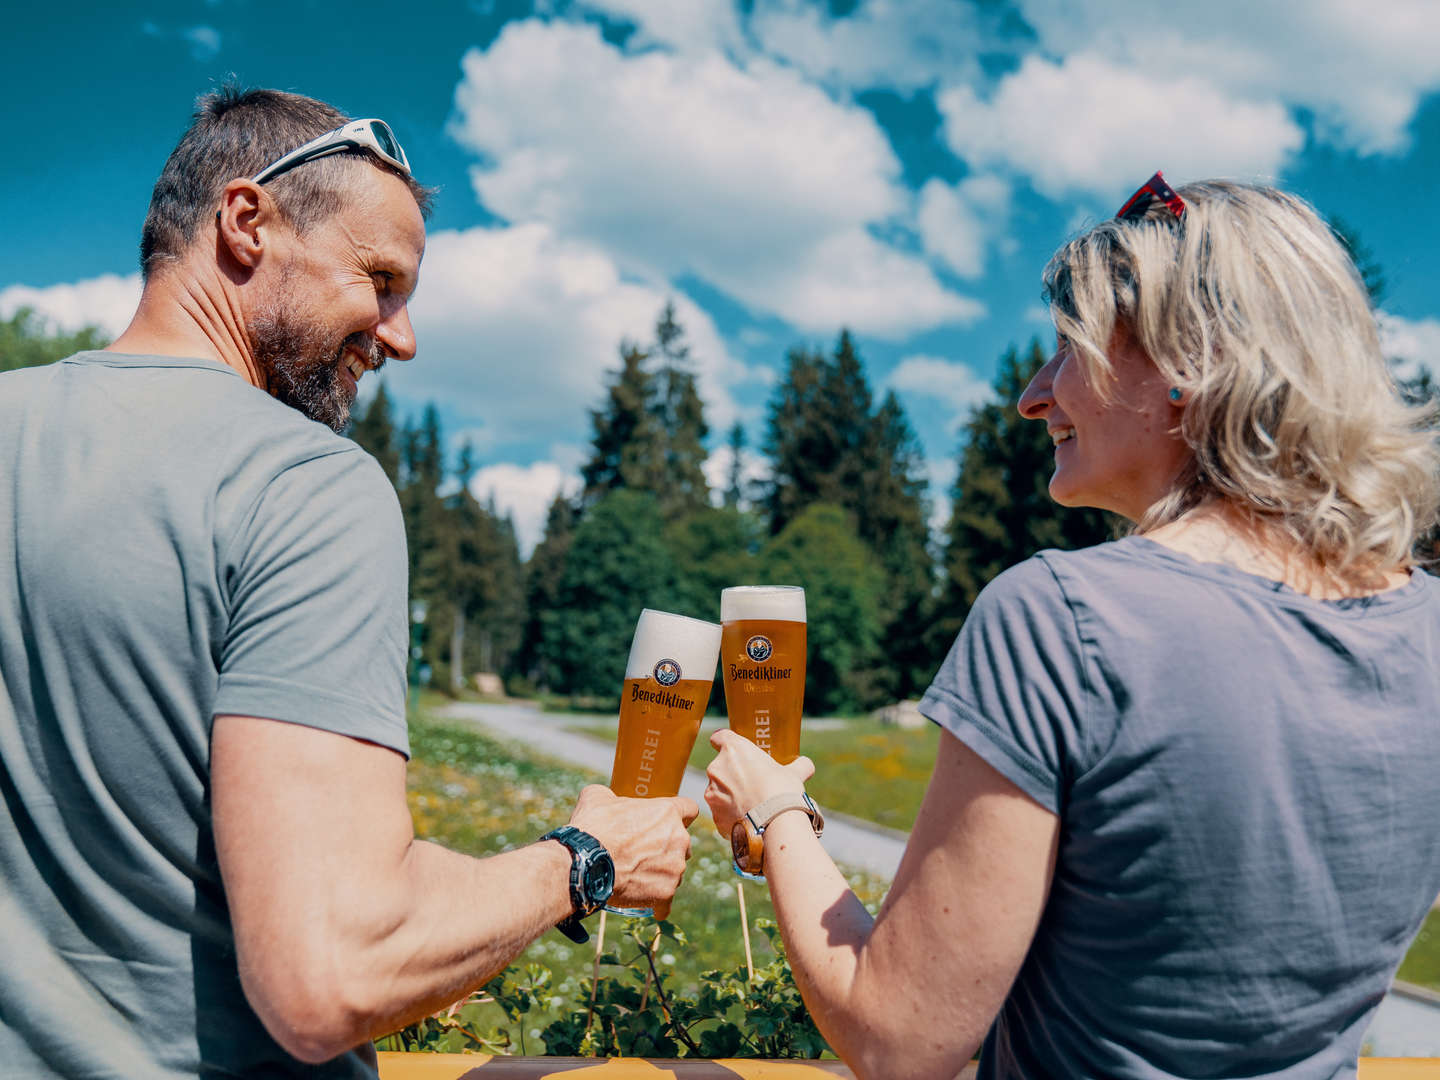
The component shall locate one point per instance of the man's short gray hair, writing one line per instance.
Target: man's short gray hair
(237, 133)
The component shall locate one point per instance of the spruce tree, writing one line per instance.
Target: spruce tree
(543, 572)
(735, 479)
(374, 429)
(1001, 510)
(829, 444)
(628, 445)
(680, 415)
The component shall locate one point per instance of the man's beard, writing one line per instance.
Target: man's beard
(301, 363)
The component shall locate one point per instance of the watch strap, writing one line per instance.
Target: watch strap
(583, 848)
(760, 816)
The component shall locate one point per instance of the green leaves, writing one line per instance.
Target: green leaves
(26, 341)
(630, 1011)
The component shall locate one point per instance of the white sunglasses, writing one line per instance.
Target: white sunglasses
(373, 135)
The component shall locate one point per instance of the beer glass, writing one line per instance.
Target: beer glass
(762, 659)
(667, 686)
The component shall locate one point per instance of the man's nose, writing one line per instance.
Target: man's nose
(396, 334)
(1035, 402)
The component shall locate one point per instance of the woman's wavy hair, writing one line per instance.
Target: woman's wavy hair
(1252, 307)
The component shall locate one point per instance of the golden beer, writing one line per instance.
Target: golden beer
(658, 726)
(762, 659)
(667, 686)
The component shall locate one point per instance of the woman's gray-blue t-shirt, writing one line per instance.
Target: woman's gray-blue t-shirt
(1245, 779)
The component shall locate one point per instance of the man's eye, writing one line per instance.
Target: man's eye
(382, 279)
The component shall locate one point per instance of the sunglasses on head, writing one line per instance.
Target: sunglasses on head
(372, 135)
(1152, 189)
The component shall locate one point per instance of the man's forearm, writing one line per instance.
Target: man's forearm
(465, 919)
(395, 949)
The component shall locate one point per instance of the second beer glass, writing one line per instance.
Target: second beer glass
(762, 659)
(667, 686)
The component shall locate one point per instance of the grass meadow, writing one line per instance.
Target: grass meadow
(479, 795)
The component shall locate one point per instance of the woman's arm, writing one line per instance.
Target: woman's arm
(912, 992)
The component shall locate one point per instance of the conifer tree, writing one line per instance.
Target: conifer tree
(628, 446)
(681, 418)
(1001, 511)
(736, 442)
(543, 572)
(374, 429)
(829, 444)
(483, 576)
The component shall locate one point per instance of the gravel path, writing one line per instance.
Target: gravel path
(848, 840)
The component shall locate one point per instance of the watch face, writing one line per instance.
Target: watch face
(740, 845)
(599, 880)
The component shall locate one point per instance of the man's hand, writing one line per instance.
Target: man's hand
(742, 776)
(647, 839)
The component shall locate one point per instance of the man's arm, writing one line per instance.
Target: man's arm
(912, 992)
(346, 926)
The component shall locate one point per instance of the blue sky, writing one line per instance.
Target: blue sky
(780, 168)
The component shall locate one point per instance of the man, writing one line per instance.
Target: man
(206, 860)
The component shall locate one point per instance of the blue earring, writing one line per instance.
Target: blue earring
(1175, 394)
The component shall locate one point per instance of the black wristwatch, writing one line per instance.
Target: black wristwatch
(592, 878)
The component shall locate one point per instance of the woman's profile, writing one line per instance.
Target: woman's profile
(1181, 821)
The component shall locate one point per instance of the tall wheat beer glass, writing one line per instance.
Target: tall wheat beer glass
(762, 658)
(667, 686)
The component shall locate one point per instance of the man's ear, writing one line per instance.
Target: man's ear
(246, 221)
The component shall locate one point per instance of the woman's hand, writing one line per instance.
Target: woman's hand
(742, 776)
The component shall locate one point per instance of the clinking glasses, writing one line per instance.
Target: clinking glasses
(1152, 189)
(373, 135)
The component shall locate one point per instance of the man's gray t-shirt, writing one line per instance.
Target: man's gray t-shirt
(174, 544)
(1245, 779)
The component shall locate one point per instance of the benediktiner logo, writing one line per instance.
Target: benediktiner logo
(758, 648)
(667, 672)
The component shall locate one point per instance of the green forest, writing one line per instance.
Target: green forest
(843, 512)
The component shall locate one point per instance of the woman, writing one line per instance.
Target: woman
(1182, 819)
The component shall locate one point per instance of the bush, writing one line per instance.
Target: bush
(630, 1012)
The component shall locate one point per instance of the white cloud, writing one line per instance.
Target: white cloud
(1410, 344)
(754, 467)
(1361, 67)
(959, 222)
(955, 384)
(749, 176)
(691, 26)
(525, 492)
(851, 279)
(517, 330)
(204, 41)
(1087, 124)
(902, 45)
(941, 473)
(107, 301)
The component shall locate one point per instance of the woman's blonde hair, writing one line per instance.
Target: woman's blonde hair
(1250, 305)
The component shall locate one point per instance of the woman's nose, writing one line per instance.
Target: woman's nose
(1035, 402)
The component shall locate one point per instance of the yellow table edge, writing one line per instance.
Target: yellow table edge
(400, 1066)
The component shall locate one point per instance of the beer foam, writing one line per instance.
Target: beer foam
(660, 635)
(784, 603)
